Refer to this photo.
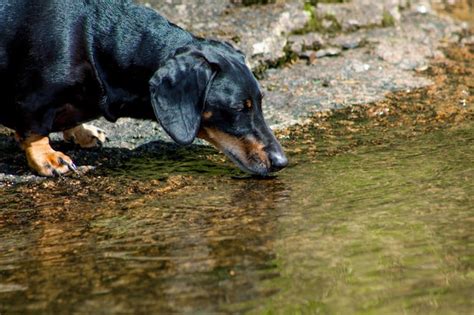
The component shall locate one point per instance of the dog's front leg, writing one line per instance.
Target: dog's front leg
(43, 159)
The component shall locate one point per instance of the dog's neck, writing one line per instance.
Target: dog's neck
(127, 50)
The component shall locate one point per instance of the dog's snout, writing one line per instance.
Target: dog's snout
(278, 161)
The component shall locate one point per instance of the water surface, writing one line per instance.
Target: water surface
(379, 228)
(375, 215)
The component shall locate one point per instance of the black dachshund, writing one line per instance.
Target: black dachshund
(66, 62)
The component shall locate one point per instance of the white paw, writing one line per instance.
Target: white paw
(86, 136)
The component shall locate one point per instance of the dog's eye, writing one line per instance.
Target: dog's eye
(248, 104)
(244, 106)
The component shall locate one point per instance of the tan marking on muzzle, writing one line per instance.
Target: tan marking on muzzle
(245, 149)
(255, 148)
(223, 141)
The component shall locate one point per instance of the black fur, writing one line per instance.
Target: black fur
(178, 90)
(66, 62)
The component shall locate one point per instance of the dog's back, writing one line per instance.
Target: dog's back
(44, 46)
(11, 13)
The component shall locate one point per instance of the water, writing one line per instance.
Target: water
(375, 215)
(376, 229)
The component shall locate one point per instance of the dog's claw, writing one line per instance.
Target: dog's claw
(74, 169)
(71, 166)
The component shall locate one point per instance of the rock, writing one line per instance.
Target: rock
(358, 66)
(310, 41)
(329, 52)
(402, 56)
(309, 55)
(422, 9)
(294, 92)
(264, 41)
(413, 43)
(468, 40)
(259, 31)
(349, 41)
(354, 14)
(190, 14)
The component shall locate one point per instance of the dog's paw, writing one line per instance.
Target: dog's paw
(44, 160)
(51, 164)
(86, 136)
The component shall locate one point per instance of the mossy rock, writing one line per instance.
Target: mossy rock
(321, 24)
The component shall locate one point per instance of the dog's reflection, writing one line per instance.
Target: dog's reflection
(204, 243)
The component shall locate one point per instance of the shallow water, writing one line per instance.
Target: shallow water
(374, 216)
(385, 228)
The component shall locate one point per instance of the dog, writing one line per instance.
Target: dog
(64, 63)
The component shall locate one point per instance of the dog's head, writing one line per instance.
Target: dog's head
(207, 91)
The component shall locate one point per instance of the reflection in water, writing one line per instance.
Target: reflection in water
(381, 228)
(374, 215)
(164, 255)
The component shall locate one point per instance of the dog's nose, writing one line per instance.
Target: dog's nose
(278, 161)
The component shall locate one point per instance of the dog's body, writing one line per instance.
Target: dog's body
(66, 62)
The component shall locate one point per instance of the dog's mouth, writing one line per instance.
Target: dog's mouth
(256, 167)
(247, 153)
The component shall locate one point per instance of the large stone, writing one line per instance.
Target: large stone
(361, 13)
(261, 32)
(329, 83)
(414, 42)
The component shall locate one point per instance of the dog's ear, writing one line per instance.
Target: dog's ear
(178, 91)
